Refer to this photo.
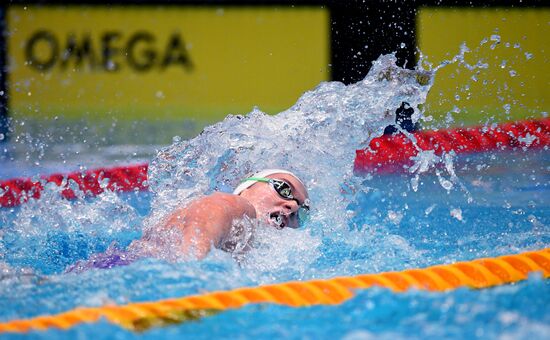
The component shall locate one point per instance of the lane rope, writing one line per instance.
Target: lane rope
(385, 153)
(16, 191)
(393, 153)
(477, 274)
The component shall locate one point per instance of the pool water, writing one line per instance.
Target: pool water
(463, 207)
(390, 227)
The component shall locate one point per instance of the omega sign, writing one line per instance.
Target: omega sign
(108, 52)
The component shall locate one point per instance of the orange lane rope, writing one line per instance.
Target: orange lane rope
(480, 273)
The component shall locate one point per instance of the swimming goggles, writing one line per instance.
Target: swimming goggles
(284, 190)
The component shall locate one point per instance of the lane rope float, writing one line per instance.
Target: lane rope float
(385, 153)
(480, 273)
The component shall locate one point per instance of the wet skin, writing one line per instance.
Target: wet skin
(269, 205)
(206, 221)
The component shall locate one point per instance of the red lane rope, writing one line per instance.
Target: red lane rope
(393, 153)
(16, 191)
(386, 153)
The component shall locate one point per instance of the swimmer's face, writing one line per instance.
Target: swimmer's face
(271, 207)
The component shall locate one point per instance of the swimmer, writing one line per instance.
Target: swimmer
(403, 120)
(276, 197)
(273, 196)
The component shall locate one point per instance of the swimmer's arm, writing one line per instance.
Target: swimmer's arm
(207, 220)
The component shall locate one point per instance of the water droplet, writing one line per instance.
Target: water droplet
(536, 223)
(111, 66)
(507, 108)
(457, 213)
(395, 216)
(518, 212)
(447, 185)
(449, 118)
(495, 38)
(429, 209)
(414, 183)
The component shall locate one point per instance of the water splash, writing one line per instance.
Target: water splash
(315, 138)
(49, 233)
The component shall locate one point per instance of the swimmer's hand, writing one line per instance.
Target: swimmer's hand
(206, 221)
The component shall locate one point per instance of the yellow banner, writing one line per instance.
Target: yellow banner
(162, 62)
(513, 43)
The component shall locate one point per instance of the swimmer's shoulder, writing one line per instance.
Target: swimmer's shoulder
(235, 202)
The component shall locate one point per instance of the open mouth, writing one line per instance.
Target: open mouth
(278, 220)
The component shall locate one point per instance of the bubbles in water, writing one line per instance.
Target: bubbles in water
(287, 250)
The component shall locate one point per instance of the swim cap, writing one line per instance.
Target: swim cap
(264, 173)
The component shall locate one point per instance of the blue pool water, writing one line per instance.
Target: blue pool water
(392, 228)
(455, 208)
